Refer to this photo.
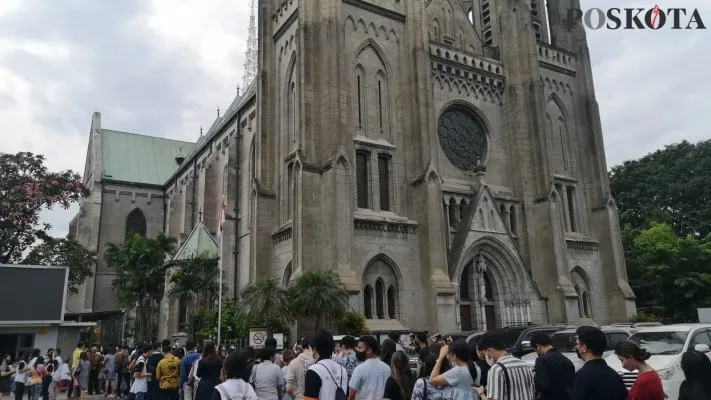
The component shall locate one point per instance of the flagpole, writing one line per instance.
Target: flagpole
(219, 266)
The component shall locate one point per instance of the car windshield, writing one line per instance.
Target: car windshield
(564, 342)
(661, 343)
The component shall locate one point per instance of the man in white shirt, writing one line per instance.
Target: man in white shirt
(325, 378)
(296, 375)
(368, 380)
(139, 387)
(267, 378)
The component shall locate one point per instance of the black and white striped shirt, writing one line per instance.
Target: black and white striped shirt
(520, 380)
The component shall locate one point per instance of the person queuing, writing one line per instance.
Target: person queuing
(555, 373)
(457, 382)
(369, 377)
(326, 379)
(648, 385)
(509, 378)
(595, 380)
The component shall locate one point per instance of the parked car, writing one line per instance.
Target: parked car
(518, 338)
(564, 341)
(666, 343)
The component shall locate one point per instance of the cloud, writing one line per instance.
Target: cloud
(162, 67)
(156, 67)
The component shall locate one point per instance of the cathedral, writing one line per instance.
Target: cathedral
(444, 157)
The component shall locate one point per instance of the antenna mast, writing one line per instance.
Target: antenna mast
(250, 64)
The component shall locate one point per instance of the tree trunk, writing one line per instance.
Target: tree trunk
(318, 322)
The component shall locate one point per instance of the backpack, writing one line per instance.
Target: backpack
(340, 393)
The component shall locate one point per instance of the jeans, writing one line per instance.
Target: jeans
(19, 390)
(140, 396)
(125, 379)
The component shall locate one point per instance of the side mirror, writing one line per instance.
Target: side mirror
(704, 348)
(526, 343)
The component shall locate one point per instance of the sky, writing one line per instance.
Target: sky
(163, 67)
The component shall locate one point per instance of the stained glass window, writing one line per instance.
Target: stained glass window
(462, 137)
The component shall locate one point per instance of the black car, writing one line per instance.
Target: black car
(518, 338)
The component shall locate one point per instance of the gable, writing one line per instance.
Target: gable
(448, 23)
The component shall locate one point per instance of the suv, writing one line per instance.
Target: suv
(517, 339)
(666, 344)
(564, 342)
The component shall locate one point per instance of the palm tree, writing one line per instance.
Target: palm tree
(196, 279)
(319, 294)
(267, 303)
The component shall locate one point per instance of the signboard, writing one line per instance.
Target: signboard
(257, 337)
(280, 340)
(704, 315)
(43, 304)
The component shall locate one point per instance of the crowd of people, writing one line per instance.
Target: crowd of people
(351, 369)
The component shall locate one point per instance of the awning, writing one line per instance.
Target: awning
(384, 325)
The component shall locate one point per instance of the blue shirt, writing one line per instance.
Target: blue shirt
(185, 364)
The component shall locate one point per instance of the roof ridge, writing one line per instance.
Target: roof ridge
(145, 135)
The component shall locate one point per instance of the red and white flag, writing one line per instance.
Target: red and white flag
(222, 216)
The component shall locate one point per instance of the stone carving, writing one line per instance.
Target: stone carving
(462, 137)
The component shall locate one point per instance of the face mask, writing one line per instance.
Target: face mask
(489, 360)
(360, 355)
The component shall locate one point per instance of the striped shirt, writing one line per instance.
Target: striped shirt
(520, 380)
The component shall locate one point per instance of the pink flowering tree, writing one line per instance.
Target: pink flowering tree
(27, 187)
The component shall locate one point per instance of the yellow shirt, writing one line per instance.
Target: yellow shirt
(167, 372)
(75, 357)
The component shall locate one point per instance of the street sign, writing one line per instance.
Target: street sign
(280, 340)
(257, 337)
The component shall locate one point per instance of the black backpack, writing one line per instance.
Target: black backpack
(340, 393)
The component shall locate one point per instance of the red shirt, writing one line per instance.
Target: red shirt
(647, 387)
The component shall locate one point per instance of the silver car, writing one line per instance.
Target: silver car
(564, 341)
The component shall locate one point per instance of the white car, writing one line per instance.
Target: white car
(666, 344)
(564, 341)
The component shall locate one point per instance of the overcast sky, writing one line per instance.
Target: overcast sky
(162, 67)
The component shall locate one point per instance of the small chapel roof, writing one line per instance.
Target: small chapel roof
(130, 157)
(199, 242)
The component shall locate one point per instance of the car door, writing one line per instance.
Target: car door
(701, 336)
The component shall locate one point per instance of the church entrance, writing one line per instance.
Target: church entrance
(489, 295)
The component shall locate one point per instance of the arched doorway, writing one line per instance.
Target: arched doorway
(495, 289)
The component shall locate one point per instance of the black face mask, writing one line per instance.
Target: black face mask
(360, 355)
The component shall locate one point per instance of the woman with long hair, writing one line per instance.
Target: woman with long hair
(648, 385)
(81, 375)
(6, 373)
(208, 372)
(457, 382)
(697, 371)
(400, 384)
(36, 375)
(387, 349)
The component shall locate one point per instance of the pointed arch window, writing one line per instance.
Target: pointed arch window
(392, 306)
(384, 181)
(464, 283)
(586, 304)
(136, 223)
(513, 222)
(224, 181)
(362, 175)
(380, 299)
(368, 302)
(294, 121)
(360, 96)
(580, 300)
(462, 209)
(289, 192)
(452, 212)
(561, 139)
(288, 271)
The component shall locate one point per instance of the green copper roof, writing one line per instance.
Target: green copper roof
(129, 157)
(199, 241)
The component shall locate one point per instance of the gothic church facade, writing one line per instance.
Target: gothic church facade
(444, 157)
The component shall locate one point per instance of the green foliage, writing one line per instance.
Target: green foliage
(27, 187)
(352, 323)
(644, 317)
(64, 252)
(319, 294)
(671, 185)
(672, 273)
(196, 278)
(268, 304)
(235, 322)
(140, 269)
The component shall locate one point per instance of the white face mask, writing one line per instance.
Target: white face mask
(489, 360)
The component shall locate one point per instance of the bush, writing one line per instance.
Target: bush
(352, 323)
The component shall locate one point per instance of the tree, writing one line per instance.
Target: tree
(26, 187)
(64, 252)
(676, 272)
(352, 323)
(670, 185)
(196, 279)
(268, 304)
(235, 323)
(319, 294)
(140, 269)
